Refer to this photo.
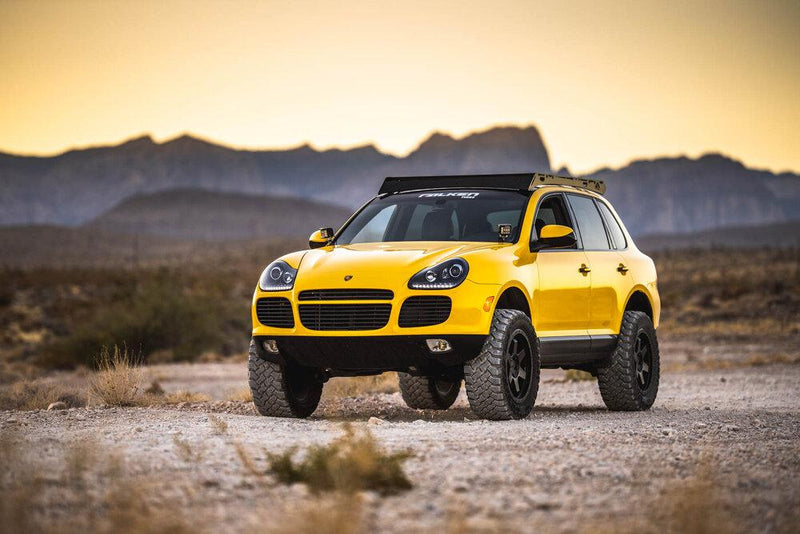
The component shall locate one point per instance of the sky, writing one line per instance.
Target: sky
(605, 82)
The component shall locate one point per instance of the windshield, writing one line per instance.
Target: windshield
(451, 215)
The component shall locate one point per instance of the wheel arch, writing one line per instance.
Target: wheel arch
(513, 297)
(639, 300)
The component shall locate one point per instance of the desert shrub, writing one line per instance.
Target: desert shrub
(160, 315)
(38, 395)
(118, 379)
(353, 462)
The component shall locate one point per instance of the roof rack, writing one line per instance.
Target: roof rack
(526, 181)
(540, 179)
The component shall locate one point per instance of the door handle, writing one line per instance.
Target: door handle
(583, 269)
(622, 269)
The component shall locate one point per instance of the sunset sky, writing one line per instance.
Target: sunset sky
(604, 81)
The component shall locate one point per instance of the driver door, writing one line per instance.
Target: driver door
(561, 300)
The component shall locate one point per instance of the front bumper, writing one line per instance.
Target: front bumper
(372, 354)
(391, 347)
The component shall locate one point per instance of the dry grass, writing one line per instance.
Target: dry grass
(38, 395)
(186, 452)
(248, 463)
(576, 375)
(361, 385)
(182, 396)
(341, 513)
(353, 462)
(730, 292)
(118, 379)
(696, 505)
(94, 493)
(241, 395)
(218, 425)
(755, 360)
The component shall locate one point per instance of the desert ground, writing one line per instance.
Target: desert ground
(719, 451)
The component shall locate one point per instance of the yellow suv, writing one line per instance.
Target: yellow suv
(484, 279)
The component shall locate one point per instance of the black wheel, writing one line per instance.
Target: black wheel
(629, 381)
(427, 393)
(282, 391)
(503, 381)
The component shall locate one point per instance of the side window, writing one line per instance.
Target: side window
(551, 210)
(590, 224)
(617, 235)
(374, 230)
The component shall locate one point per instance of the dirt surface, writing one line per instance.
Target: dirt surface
(570, 466)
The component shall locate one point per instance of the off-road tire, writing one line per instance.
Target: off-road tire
(620, 380)
(282, 391)
(428, 393)
(486, 377)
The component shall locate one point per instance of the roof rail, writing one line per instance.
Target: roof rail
(526, 181)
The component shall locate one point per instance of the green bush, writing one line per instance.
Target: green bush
(158, 315)
(353, 462)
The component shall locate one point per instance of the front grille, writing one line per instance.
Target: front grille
(346, 294)
(275, 311)
(424, 311)
(344, 316)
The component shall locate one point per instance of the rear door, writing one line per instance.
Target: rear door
(603, 262)
(624, 278)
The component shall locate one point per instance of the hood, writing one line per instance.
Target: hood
(377, 265)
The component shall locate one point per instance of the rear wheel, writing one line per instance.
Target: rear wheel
(282, 391)
(503, 381)
(629, 381)
(427, 393)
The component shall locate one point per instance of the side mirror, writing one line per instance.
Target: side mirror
(320, 238)
(555, 236)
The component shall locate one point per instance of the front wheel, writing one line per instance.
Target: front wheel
(282, 391)
(629, 380)
(503, 380)
(428, 393)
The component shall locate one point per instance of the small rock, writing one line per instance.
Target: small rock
(667, 431)
(58, 405)
(375, 421)
(732, 428)
(722, 379)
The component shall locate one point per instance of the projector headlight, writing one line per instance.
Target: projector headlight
(278, 276)
(446, 275)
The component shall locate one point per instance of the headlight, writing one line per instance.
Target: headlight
(446, 275)
(278, 276)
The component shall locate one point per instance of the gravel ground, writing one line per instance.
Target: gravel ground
(570, 466)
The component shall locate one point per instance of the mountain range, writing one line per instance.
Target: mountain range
(150, 187)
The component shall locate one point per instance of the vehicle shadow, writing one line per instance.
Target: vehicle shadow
(394, 413)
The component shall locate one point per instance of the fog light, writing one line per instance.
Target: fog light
(438, 345)
(270, 345)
